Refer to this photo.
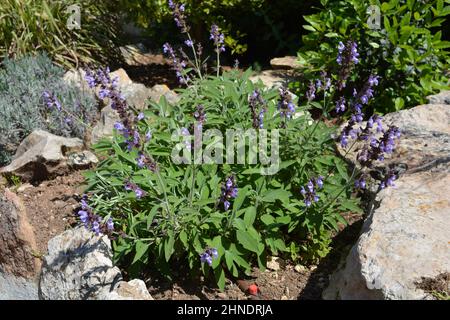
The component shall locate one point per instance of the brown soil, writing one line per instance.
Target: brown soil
(287, 283)
(439, 286)
(50, 206)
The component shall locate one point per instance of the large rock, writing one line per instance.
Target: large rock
(405, 238)
(18, 245)
(105, 126)
(441, 98)
(78, 266)
(137, 55)
(286, 63)
(17, 288)
(42, 155)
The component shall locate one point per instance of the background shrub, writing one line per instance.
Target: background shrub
(256, 30)
(407, 52)
(30, 25)
(22, 108)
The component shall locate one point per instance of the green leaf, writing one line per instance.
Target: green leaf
(276, 194)
(141, 248)
(247, 241)
(249, 216)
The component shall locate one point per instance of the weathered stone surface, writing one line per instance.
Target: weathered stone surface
(17, 240)
(425, 139)
(159, 90)
(441, 98)
(42, 155)
(105, 126)
(131, 290)
(286, 63)
(405, 237)
(273, 78)
(82, 159)
(17, 288)
(78, 266)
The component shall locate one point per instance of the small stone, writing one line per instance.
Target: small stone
(273, 264)
(299, 268)
(286, 63)
(222, 295)
(284, 298)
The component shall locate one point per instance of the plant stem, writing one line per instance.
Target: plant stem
(197, 65)
(166, 201)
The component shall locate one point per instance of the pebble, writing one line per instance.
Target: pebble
(299, 268)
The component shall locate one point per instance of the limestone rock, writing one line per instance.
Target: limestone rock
(404, 239)
(17, 239)
(441, 98)
(82, 159)
(105, 126)
(79, 266)
(159, 90)
(131, 290)
(42, 155)
(272, 78)
(286, 63)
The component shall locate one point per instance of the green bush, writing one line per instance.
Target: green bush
(181, 215)
(167, 206)
(274, 35)
(406, 52)
(23, 109)
(27, 26)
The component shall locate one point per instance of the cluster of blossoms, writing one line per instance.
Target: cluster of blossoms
(92, 221)
(258, 108)
(200, 115)
(347, 57)
(324, 83)
(178, 65)
(51, 101)
(129, 186)
(285, 104)
(310, 192)
(178, 15)
(229, 191)
(218, 38)
(108, 88)
(208, 256)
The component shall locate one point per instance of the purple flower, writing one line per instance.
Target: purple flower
(258, 106)
(285, 105)
(139, 192)
(110, 224)
(148, 136)
(340, 105)
(83, 215)
(311, 93)
(119, 126)
(141, 161)
(204, 257)
(229, 191)
(189, 43)
(309, 193)
(218, 38)
(96, 227)
(140, 116)
(347, 58)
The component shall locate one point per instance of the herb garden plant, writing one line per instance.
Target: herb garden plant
(166, 205)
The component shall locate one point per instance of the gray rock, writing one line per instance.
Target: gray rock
(272, 78)
(441, 98)
(42, 155)
(405, 237)
(286, 63)
(105, 126)
(17, 288)
(159, 90)
(82, 159)
(78, 266)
